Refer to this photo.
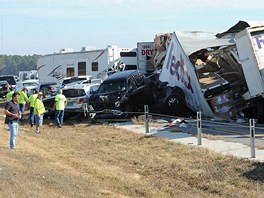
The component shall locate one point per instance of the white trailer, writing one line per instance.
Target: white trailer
(250, 47)
(145, 51)
(55, 67)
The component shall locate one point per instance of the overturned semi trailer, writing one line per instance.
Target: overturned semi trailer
(215, 79)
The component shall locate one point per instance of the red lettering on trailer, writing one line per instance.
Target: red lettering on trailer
(147, 52)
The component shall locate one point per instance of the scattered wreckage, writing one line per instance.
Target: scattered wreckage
(221, 75)
(125, 93)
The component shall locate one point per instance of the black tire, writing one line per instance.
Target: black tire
(173, 104)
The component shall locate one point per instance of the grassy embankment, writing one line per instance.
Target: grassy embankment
(82, 160)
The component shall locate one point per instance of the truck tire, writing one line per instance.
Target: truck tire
(172, 103)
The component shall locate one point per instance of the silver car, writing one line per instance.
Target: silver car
(78, 95)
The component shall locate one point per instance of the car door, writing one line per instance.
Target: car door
(137, 91)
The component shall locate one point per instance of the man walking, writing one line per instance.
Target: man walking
(59, 106)
(13, 114)
(39, 111)
(32, 99)
(23, 100)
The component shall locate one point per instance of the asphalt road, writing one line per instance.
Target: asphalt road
(229, 131)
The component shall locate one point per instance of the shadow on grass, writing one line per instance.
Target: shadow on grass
(257, 173)
(68, 120)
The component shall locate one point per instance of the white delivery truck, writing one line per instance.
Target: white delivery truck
(222, 78)
(250, 47)
(88, 61)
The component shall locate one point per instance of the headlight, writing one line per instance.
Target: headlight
(117, 103)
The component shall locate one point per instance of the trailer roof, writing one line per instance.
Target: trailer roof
(194, 41)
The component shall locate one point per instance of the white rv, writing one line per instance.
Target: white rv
(88, 61)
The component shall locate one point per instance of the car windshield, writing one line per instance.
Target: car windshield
(30, 84)
(9, 79)
(68, 81)
(71, 93)
(4, 85)
(3, 82)
(110, 87)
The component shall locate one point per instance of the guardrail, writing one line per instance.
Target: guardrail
(247, 129)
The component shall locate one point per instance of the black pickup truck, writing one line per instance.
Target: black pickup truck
(125, 93)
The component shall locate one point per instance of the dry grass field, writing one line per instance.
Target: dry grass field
(83, 160)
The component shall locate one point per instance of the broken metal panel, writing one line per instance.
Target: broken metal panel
(239, 26)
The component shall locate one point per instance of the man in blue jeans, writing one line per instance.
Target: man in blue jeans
(59, 106)
(32, 99)
(23, 100)
(13, 114)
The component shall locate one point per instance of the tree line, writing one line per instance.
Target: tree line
(12, 64)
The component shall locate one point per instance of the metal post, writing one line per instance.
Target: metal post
(252, 138)
(199, 128)
(146, 119)
(85, 109)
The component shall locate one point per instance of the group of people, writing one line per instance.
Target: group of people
(17, 104)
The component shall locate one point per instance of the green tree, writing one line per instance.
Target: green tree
(12, 64)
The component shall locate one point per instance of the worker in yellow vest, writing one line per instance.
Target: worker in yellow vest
(59, 106)
(23, 101)
(10, 94)
(32, 99)
(39, 111)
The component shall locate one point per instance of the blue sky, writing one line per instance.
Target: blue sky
(45, 26)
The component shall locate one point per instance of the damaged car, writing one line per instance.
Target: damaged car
(121, 92)
(77, 96)
(125, 93)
